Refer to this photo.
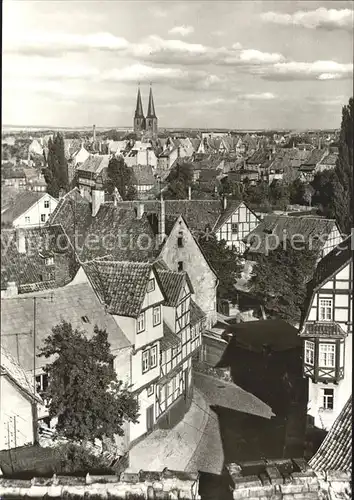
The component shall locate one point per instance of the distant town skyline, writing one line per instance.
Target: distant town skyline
(228, 65)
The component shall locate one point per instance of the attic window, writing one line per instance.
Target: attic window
(85, 319)
(180, 242)
(180, 266)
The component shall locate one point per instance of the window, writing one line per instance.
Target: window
(328, 399)
(180, 266)
(151, 285)
(85, 319)
(145, 358)
(309, 352)
(46, 204)
(27, 220)
(42, 382)
(234, 227)
(326, 306)
(42, 217)
(153, 357)
(180, 242)
(156, 315)
(327, 355)
(49, 261)
(141, 322)
(150, 390)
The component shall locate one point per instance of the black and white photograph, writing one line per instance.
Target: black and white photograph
(177, 248)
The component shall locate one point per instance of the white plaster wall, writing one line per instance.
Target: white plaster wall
(140, 428)
(35, 212)
(14, 404)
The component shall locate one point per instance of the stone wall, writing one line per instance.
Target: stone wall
(287, 480)
(143, 485)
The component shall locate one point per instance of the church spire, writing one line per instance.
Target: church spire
(139, 113)
(151, 109)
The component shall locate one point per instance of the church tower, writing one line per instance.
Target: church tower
(139, 119)
(151, 118)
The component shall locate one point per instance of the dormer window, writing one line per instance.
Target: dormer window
(326, 310)
(85, 319)
(49, 261)
(151, 285)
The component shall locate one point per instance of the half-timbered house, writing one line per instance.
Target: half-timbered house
(234, 224)
(326, 329)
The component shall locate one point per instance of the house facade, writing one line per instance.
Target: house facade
(30, 209)
(235, 224)
(326, 331)
(157, 323)
(18, 416)
(94, 167)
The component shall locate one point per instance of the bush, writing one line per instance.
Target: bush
(75, 458)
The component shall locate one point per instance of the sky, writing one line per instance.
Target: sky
(213, 64)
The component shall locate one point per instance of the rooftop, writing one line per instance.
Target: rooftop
(120, 285)
(23, 202)
(335, 452)
(74, 303)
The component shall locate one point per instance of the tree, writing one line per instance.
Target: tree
(279, 195)
(56, 173)
(280, 280)
(179, 179)
(83, 392)
(226, 263)
(121, 177)
(343, 187)
(334, 188)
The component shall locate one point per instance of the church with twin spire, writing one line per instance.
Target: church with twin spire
(148, 124)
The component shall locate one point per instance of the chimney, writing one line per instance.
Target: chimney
(189, 192)
(94, 133)
(21, 240)
(162, 222)
(178, 151)
(140, 210)
(97, 198)
(11, 290)
(224, 202)
(147, 156)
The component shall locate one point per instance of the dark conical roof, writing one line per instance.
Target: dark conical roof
(139, 113)
(151, 109)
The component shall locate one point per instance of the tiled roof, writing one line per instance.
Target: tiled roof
(258, 157)
(196, 313)
(172, 283)
(315, 157)
(8, 173)
(324, 329)
(198, 213)
(232, 206)
(25, 269)
(335, 452)
(120, 234)
(11, 368)
(333, 262)
(143, 175)
(94, 164)
(169, 338)
(120, 285)
(74, 213)
(330, 159)
(71, 303)
(283, 226)
(21, 204)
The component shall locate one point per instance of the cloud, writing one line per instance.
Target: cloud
(217, 101)
(61, 43)
(317, 70)
(175, 77)
(42, 67)
(321, 18)
(181, 30)
(249, 57)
